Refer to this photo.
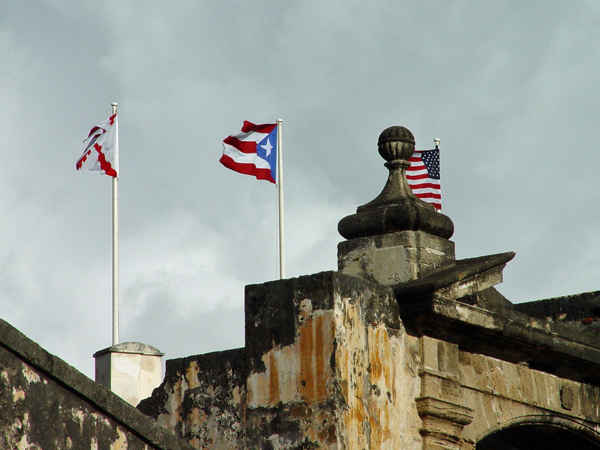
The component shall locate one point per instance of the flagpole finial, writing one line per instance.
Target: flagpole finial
(115, 104)
(437, 143)
(396, 208)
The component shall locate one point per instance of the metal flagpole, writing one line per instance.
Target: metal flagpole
(115, 241)
(280, 195)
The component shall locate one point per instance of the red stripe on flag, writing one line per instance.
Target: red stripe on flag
(110, 120)
(104, 164)
(417, 177)
(82, 159)
(242, 146)
(93, 131)
(263, 128)
(429, 195)
(247, 169)
(437, 205)
(431, 199)
(424, 185)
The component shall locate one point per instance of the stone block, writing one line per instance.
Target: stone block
(396, 257)
(429, 353)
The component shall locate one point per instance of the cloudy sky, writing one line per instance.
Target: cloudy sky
(511, 88)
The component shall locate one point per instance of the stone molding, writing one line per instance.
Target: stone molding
(444, 410)
(443, 422)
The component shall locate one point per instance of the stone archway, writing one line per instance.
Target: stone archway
(549, 433)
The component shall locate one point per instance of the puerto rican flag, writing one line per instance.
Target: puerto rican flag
(423, 176)
(101, 150)
(252, 151)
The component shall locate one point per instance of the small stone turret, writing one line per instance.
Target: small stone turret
(396, 237)
(130, 369)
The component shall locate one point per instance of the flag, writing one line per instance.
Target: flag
(423, 176)
(252, 151)
(101, 150)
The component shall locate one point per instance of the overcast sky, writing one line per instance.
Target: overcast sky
(511, 88)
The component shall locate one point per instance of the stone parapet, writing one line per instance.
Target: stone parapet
(326, 366)
(48, 404)
(202, 399)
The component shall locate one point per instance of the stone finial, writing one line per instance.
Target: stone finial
(396, 143)
(396, 208)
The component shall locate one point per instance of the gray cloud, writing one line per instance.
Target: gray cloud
(510, 88)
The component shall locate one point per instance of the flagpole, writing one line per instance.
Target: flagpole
(280, 195)
(115, 239)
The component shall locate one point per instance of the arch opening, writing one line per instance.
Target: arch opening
(537, 437)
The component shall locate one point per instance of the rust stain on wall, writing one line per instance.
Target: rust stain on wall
(374, 382)
(273, 370)
(306, 340)
(300, 371)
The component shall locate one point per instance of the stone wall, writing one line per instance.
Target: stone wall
(326, 366)
(331, 365)
(47, 404)
(378, 377)
(471, 396)
(505, 394)
(202, 399)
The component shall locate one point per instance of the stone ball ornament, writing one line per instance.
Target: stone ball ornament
(396, 208)
(396, 143)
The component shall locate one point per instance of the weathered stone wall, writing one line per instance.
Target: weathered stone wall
(395, 257)
(467, 396)
(331, 366)
(345, 380)
(46, 404)
(202, 399)
(377, 373)
(328, 367)
(506, 394)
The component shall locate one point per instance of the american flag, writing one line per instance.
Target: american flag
(423, 176)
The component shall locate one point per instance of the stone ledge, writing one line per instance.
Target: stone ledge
(507, 335)
(464, 277)
(580, 310)
(135, 348)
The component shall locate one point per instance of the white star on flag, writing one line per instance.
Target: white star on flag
(268, 147)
